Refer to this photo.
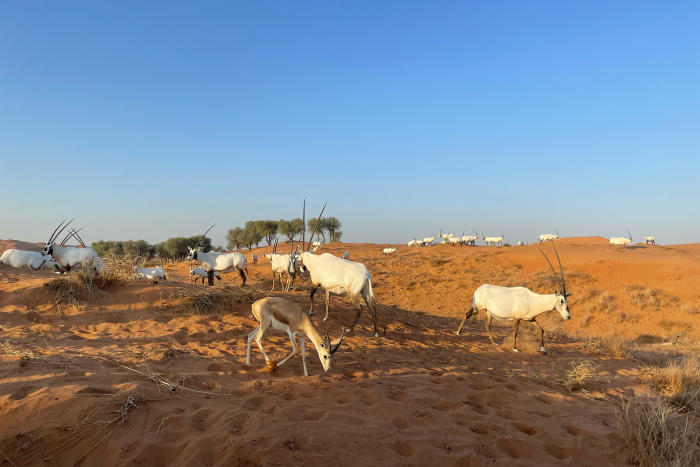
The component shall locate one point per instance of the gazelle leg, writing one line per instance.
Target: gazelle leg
(358, 309)
(328, 301)
(251, 337)
(294, 348)
(313, 291)
(303, 354)
(542, 349)
(466, 317)
(488, 327)
(516, 325)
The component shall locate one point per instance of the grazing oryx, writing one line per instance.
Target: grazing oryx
(151, 273)
(346, 255)
(621, 240)
(649, 240)
(284, 315)
(411, 243)
(254, 258)
(548, 237)
(219, 262)
(200, 272)
(419, 243)
(31, 259)
(68, 256)
(454, 241)
(388, 251)
(282, 264)
(316, 244)
(339, 276)
(429, 240)
(519, 304)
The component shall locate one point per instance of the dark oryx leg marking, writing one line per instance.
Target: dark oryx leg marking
(373, 309)
(488, 326)
(516, 325)
(210, 277)
(240, 271)
(544, 352)
(328, 302)
(466, 317)
(358, 307)
(311, 297)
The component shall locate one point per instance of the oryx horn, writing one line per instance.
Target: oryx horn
(54, 234)
(563, 282)
(550, 265)
(311, 239)
(202, 237)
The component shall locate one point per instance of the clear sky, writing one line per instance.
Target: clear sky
(148, 119)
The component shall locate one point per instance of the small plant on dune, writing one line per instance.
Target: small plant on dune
(657, 433)
(586, 320)
(571, 378)
(676, 379)
(615, 347)
(605, 302)
(687, 308)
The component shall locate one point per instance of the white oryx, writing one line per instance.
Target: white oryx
(419, 243)
(490, 240)
(519, 304)
(649, 240)
(521, 244)
(454, 241)
(282, 265)
(429, 240)
(339, 276)
(30, 259)
(621, 240)
(316, 244)
(410, 244)
(200, 272)
(548, 237)
(286, 316)
(499, 240)
(470, 239)
(444, 236)
(254, 258)
(150, 273)
(346, 255)
(69, 256)
(388, 251)
(219, 262)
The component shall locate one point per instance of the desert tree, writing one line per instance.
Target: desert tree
(234, 237)
(268, 230)
(320, 230)
(333, 226)
(290, 228)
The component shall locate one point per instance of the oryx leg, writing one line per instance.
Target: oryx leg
(328, 302)
(294, 348)
(210, 276)
(273, 281)
(311, 297)
(516, 325)
(240, 271)
(542, 349)
(373, 310)
(303, 354)
(358, 310)
(488, 326)
(466, 317)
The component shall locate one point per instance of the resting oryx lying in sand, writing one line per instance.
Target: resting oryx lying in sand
(519, 304)
(338, 276)
(200, 272)
(30, 259)
(151, 273)
(284, 315)
(621, 240)
(388, 251)
(68, 256)
(219, 262)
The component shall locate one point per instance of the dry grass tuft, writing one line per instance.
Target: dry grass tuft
(689, 309)
(648, 298)
(586, 320)
(657, 433)
(605, 302)
(207, 302)
(25, 353)
(613, 346)
(571, 378)
(678, 379)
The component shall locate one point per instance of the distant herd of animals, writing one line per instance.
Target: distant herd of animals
(337, 275)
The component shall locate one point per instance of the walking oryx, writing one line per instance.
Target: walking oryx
(519, 304)
(219, 262)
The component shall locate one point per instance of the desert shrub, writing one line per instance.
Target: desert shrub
(669, 326)
(648, 298)
(675, 377)
(689, 309)
(544, 280)
(604, 302)
(571, 378)
(437, 262)
(615, 347)
(586, 320)
(657, 433)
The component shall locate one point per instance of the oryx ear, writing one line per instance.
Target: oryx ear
(568, 295)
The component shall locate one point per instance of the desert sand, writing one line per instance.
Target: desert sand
(418, 395)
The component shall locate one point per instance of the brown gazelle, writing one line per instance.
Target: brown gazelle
(284, 315)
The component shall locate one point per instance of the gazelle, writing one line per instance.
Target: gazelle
(68, 256)
(218, 262)
(339, 276)
(284, 315)
(621, 240)
(519, 304)
(649, 240)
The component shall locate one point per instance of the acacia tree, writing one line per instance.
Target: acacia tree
(234, 237)
(290, 228)
(252, 234)
(320, 230)
(333, 226)
(268, 230)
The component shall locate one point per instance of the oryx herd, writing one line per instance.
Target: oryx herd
(337, 275)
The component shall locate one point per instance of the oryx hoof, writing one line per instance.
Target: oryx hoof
(376, 334)
(516, 351)
(325, 319)
(348, 329)
(544, 352)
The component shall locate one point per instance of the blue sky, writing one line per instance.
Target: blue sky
(157, 119)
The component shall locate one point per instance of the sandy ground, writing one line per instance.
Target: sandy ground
(418, 395)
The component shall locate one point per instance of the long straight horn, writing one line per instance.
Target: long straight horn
(73, 234)
(68, 236)
(563, 282)
(78, 236)
(202, 237)
(630, 235)
(303, 235)
(54, 232)
(59, 232)
(317, 221)
(550, 265)
(475, 232)
(557, 232)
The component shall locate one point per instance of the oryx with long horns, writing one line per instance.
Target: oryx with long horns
(283, 265)
(68, 256)
(519, 304)
(218, 262)
(621, 240)
(338, 276)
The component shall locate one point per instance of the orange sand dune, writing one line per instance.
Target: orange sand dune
(418, 395)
